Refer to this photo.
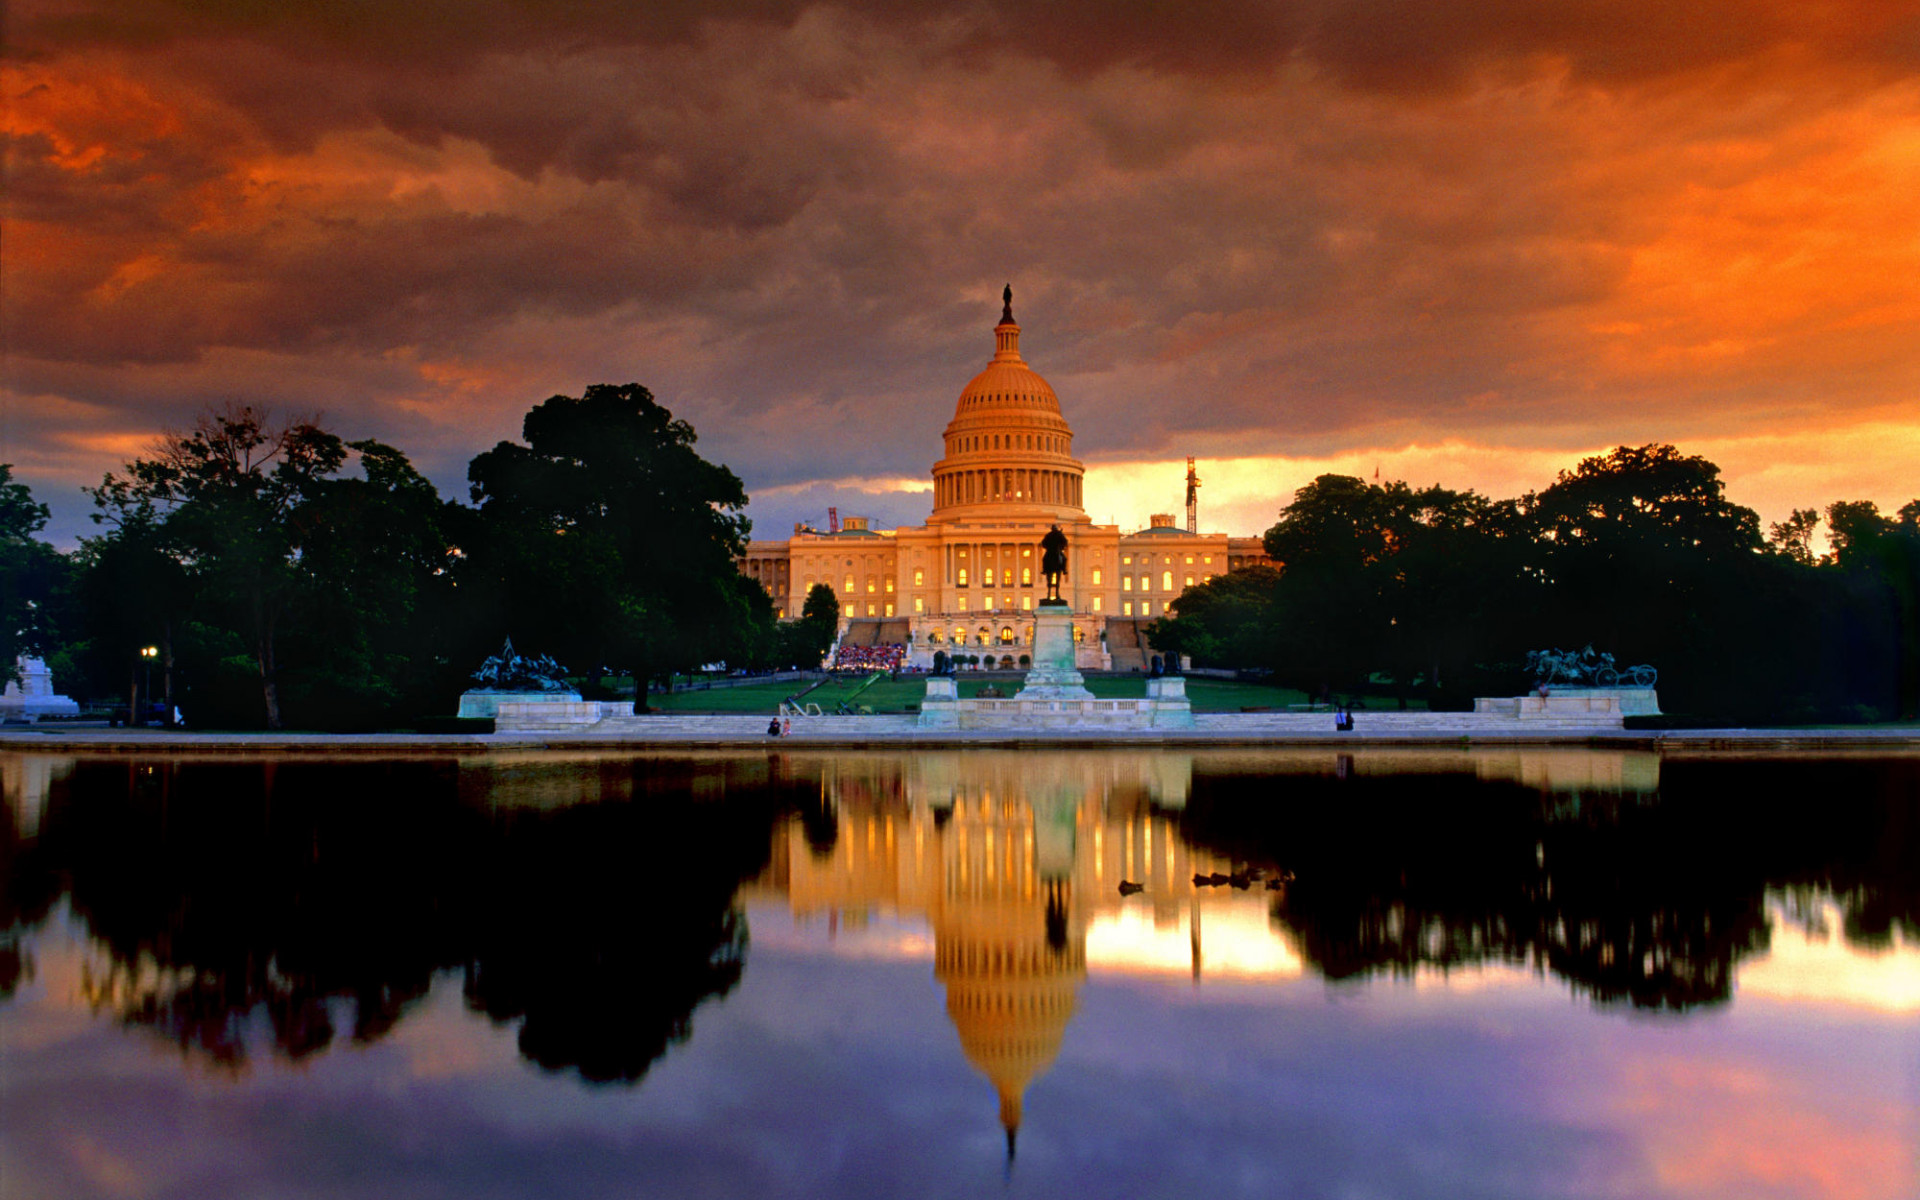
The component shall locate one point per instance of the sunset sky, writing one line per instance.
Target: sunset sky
(1458, 242)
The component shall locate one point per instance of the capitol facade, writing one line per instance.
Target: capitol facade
(968, 579)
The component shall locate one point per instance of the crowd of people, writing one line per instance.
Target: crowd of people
(889, 657)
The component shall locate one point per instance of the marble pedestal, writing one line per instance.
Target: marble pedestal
(1054, 675)
(487, 704)
(33, 696)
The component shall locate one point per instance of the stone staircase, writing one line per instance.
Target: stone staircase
(1125, 646)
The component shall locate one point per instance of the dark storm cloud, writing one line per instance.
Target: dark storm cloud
(1261, 230)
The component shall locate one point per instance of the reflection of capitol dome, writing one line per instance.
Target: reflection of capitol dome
(1010, 1001)
(1007, 447)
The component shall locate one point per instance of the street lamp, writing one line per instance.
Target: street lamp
(147, 655)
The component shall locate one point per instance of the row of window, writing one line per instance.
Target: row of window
(1024, 441)
(1126, 560)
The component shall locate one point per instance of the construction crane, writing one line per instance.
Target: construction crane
(1193, 498)
(833, 519)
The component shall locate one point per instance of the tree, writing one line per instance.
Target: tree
(608, 508)
(1885, 552)
(260, 538)
(1385, 578)
(819, 621)
(1224, 622)
(29, 569)
(1793, 537)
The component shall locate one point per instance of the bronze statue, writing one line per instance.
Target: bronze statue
(1006, 300)
(1053, 563)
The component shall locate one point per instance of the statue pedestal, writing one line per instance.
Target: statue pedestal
(1054, 675)
(941, 708)
(479, 703)
(33, 696)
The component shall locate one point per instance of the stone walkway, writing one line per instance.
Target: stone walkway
(667, 731)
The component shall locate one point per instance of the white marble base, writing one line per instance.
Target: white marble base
(33, 697)
(1605, 706)
(1165, 707)
(1054, 675)
(487, 704)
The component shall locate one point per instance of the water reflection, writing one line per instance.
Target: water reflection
(1587, 866)
(592, 903)
(222, 894)
(1008, 857)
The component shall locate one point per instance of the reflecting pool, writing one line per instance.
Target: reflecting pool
(1515, 973)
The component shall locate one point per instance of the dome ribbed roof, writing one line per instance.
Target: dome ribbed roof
(1008, 448)
(1008, 382)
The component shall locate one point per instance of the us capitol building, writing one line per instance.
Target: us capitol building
(970, 576)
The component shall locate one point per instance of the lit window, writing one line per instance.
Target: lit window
(963, 577)
(1096, 604)
(1206, 559)
(870, 608)
(935, 636)
(889, 611)
(1096, 577)
(1126, 608)
(1189, 581)
(1206, 579)
(890, 584)
(1146, 582)
(1026, 552)
(919, 605)
(963, 604)
(1026, 576)
(1189, 560)
(1079, 634)
(869, 585)
(1006, 602)
(1146, 608)
(1026, 602)
(1166, 581)
(986, 577)
(849, 588)
(919, 577)
(1126, 560)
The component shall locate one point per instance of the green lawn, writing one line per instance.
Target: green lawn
(1208, 695)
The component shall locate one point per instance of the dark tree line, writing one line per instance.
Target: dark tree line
(1439, 594)
(595, 910)
(1649, 900)
(257, 571)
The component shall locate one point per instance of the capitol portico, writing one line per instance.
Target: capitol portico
(971, 575)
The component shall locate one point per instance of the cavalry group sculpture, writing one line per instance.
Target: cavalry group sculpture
(511, 672)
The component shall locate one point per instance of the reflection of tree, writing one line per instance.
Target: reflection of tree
(1651, 901)
(606, 948)
(224, 894)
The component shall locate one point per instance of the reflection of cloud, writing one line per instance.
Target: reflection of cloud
(1817, 966)
(1238, 940)
(1731, 1127)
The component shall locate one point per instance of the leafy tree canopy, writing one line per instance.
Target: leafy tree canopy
(609, 517)
(29, 569)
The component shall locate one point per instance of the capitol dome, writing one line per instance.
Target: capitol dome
(1009, 452)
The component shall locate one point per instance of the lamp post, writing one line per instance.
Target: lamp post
(147, 655)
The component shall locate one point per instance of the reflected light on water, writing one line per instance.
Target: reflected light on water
(1817, 966)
